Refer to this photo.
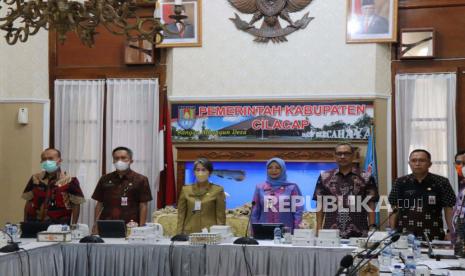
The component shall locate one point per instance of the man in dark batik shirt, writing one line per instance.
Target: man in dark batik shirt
(52, 195)
(351, 187)
(420, 198)
(122, 194)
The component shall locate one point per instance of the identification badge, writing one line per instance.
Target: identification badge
(124, 201)
(269, 203)
(197, 205)
(432, 200)
(351, 200)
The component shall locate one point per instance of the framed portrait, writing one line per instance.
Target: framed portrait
(371, 21)
(191, 36)
(139, 52)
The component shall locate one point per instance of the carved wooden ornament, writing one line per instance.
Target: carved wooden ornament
(270, 11)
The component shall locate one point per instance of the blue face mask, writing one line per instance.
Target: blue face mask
(49, 166)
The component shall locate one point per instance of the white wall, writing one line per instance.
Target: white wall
(315, 61)
(24, 67)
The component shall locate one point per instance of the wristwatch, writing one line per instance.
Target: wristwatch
(373, 226)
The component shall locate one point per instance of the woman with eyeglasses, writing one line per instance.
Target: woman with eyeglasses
(201, 204)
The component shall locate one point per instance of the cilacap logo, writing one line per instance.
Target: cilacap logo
(186, 116)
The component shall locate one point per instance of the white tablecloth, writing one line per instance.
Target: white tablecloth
(117, 257)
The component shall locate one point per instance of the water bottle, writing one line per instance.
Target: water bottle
(14, 232)
(459, 238)
(397, 271)
(277, 235)
(385, 260)
(410, 266)
(7, 228)
(417, 249)
(411, 240)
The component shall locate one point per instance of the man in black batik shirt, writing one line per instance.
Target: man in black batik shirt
(420, 198)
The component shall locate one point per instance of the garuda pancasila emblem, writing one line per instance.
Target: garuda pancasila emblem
(271, 11)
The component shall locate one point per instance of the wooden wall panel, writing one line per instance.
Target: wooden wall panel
(447, 17)
(107, 52)
(448, 22)
(72, 60)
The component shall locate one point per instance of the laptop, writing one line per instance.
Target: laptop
(431, 253)
(111, 228)
(265, 231)
(29, 229)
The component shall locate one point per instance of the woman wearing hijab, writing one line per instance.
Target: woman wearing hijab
(276, 189)
(202, 204)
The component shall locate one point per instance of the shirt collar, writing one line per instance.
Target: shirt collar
(198, 192)
(127, 175)
(354, 170)
(50, 176)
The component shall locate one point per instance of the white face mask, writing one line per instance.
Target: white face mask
(121, 165)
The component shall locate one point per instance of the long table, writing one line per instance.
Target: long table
(117, 257)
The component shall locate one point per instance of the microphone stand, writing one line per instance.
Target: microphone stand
(93, 238)
(247, 240)
(181, 236)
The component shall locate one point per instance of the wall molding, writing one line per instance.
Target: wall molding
(418, 4)
(244, 98)
(45, 115)
(24, 100)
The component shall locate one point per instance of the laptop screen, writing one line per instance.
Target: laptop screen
(265, 231)
(111, 228)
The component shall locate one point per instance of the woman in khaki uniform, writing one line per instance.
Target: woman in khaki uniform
(202, 204)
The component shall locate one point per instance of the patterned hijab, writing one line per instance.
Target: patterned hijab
(282, 179)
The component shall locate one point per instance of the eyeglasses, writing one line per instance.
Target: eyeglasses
(343, 153)
(418, 161)
(458, 162)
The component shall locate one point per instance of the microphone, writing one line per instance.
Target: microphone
(246, 239)
(346, 262)
(12, 246)
(394, 211)
(93, 238)
(393, 238)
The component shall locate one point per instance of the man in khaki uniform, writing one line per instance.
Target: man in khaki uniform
(202, 204)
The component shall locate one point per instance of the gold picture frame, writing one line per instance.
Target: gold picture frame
(371, 21)
(192, 33)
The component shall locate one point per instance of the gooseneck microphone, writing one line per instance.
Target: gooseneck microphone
(346, 262)
(394, 211)
(393, 238)
(12, 246)
(245, 239)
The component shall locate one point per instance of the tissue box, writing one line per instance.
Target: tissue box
(46, 236)
(224, 231)
(304, 233)
(143, 239)
(328, 234)
(204, 238)
(328, 242)
(146, 230)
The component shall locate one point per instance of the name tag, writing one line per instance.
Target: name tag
(432, 200)
(124, 201)
(351, 200)
(197, 205)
